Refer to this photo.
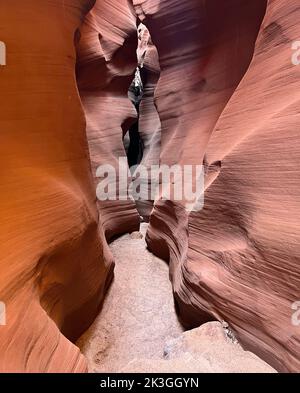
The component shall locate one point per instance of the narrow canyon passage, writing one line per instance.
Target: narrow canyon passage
(138, 330)
(106, 105)
(138, 314)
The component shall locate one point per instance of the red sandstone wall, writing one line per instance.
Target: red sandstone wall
(54, 264)
(218, 103)
(237, 259)
(106, 64)
(149, 121)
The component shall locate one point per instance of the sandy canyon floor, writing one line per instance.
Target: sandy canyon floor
(138, 314)
(138, 330)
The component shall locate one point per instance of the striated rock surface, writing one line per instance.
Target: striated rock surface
(149, 121)
(106, 65)
(54, 262)
(220, 89)
(202, 57)
(234, 106)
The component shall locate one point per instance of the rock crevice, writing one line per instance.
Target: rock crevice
(220, 89)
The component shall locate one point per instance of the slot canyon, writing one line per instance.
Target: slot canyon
(149, 285)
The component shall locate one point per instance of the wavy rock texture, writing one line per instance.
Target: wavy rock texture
(54, 260)
(237, 259)
(228, 96)
(106, 65)
(149, 121)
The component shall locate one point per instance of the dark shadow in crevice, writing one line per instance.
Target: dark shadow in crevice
(132, 141)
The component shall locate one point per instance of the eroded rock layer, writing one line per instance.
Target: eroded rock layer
(228, 96)
(149, 121)
(54, 262)
(106, 64)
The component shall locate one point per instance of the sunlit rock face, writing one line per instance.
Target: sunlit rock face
(228, 96)
(106, 65)
(54, 260)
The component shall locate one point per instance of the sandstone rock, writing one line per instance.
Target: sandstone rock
(55, 264)
(228, 96)
(221, 90)
(201, 350)
(106, 64)
(149, 121)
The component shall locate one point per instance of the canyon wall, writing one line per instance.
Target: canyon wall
(149, 126)
(106, 65)
(55, 264)
(220, 90)
(228, 96)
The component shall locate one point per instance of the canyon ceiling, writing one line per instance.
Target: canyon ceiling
(221, 89)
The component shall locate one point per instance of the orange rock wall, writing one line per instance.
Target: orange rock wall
(237, 259)
(149, 123)
(54, 261)
(106, 65)
(227, 96)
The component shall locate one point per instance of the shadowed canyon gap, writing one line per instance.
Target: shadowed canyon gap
(220, 89)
